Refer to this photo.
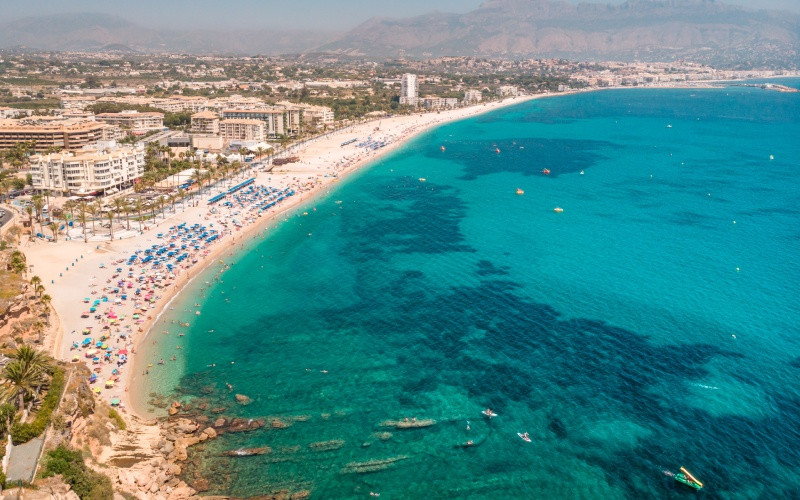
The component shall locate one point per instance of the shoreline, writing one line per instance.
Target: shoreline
(80, 260)
(306, 175)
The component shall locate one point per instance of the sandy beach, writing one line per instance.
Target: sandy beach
(97, 274)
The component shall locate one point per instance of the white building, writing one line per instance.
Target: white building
(136, 122)
(409, 90)
(473, 96)
(104, 168)
(321, 115)
(77, 103)
(440, 102)
(242, 129)
(274, 119)
(507, 91)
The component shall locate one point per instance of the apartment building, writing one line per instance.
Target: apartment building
(77, 103)
(273, 118)
(473, 96)
(205, 122)
(321, 115)
(104, 168)
(440, 102)
(409, 90)
(243, 129)
(507, 91)
(54, 132)
(135, 121)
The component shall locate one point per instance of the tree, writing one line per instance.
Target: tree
(53, 227)
(18, 262)
(82, 208)
(119, 204)
(92, 208)
(38, 205)
(110, 215)
(25, 374)
(36, 282)
(139, 205)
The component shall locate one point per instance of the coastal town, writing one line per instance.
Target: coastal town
(123, 176)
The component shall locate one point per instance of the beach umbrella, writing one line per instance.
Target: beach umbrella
(114, 401)
(75, 358)
(91, 352)
(123, 351)
(97, 390)
(86, 299)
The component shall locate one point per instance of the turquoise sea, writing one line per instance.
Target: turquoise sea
(653, 324)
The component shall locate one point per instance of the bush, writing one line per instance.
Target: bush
(21, 432)
(86, 483)
(2, 480)
(117, 418)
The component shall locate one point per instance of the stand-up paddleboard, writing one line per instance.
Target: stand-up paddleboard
(523, 437)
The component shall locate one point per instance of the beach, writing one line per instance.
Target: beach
(435, 300)
(81, 275)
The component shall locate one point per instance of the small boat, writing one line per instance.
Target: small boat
(669, 126)
(581, 172)
(685, 477)
(496, 150)
(442, 148)
(558, 210)
(422, 179)
(771, 157)
(546, 171)
(520, 191)
(524, 437)
(489, 413)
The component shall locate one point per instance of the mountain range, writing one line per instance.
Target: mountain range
(702, 30)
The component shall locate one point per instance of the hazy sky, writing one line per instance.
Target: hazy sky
(315, 14)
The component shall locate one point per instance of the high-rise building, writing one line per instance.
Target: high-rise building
(409, 90)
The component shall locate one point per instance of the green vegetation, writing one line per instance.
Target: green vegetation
(86, 483)
(117, 418)
(22, 432)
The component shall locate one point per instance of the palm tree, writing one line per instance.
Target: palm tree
(92, 208)
(197, 176)
(119, 203)
(53, 227)
(38, 205)
(110, 215)
(36, 281)
(25, 374)
(139, 205)
(127, 209)
(182, 196)
(82, 220)
(46, 300)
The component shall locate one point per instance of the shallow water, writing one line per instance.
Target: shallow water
(641, 329)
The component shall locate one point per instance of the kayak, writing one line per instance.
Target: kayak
(524, 437)
(489, 413)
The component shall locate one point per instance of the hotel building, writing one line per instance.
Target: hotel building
(104, 169)
(243, 129)
(136, 122)
(409, 90)
(50, 132)
(205, 122)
